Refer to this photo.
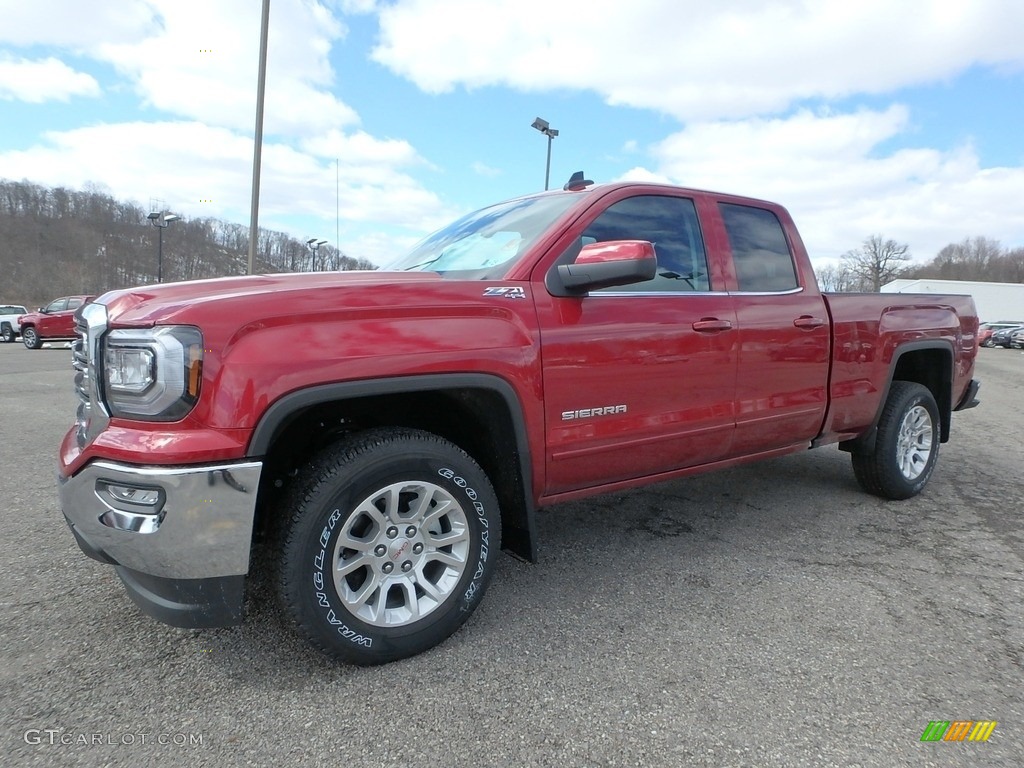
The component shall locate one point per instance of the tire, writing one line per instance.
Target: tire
(362, 578)
(31, 338)
(7, 333)
(906, 447)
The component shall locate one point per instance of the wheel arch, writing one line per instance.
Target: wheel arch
(480, 413)
(929, 363)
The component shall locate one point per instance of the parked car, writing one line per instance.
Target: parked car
(1017, 339)
(54, 322)
(9, 326)
(1001, 337)
(985, 330)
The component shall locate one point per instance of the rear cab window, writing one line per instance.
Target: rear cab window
(760, 251)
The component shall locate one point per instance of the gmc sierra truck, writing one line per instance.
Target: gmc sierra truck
(382, 435)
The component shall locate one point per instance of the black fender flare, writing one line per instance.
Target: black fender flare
(518, 525)
(865, 442)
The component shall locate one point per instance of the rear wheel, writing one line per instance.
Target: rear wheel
(389, 542)
(906, 447)
(7, 333)
(31, 338)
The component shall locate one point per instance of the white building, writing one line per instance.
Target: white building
(995, 301)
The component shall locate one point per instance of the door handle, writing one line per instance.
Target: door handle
(711, 325)
(806, 321)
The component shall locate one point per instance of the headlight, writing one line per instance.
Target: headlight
(153, 373)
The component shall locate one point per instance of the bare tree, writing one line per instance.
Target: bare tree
(59, 241)
(974, 258)
(877, 262)
(836, 278)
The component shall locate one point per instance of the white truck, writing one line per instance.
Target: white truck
(9, 326)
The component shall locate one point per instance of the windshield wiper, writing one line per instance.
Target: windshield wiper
(426, 263)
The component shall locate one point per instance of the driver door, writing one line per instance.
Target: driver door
(639, 380)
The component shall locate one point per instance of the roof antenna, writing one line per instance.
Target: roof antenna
(576, 182)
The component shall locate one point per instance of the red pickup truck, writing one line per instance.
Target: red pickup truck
(383, 434)
(54, 322)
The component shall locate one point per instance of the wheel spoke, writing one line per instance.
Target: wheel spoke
(426, 496)
(447, 539)
(432, 591)
(412, 602)
(448, 558)
(437, 512)
(360, 598)
(347, 540)
(369, 509)
(345, 567)
(392, 501)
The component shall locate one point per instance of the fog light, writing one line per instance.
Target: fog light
(127, 494)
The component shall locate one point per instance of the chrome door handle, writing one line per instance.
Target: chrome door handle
(712, 325)
(806, 321)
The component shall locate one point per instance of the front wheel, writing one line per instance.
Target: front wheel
(31, 338)
(906, 447)
(389, 541)
(7, 333)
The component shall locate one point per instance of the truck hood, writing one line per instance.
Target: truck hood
(188, 302)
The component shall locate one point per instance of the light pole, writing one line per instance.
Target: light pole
(160, 220)
(544, 127)
(314, 244)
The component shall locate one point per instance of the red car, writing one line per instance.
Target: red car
(54, 322)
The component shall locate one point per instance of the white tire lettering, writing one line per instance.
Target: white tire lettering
(318, 582)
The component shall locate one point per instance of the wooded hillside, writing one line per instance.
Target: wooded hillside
(59, 241)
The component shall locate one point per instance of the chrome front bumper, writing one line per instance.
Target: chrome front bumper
(180, 536)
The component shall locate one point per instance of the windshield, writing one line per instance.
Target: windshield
(483, 244)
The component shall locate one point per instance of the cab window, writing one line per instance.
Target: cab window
(671, 224)
(760, 252)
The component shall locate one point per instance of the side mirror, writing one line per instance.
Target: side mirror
(603, 265)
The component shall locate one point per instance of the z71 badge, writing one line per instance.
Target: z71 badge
(508, 291)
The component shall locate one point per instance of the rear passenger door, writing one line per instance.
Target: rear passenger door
(638, 379)
(783, 333)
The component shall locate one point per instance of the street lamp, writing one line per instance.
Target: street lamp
(160, 220)
(314, 245)
(544, 127)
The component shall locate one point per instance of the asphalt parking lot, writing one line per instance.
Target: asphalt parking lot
(771, 615)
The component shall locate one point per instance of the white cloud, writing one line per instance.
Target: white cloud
(193, 65)
(482, 169)
(358, 6)
(74, 25)
(379, 248)
(187, 164)
(43, 80)
(201, 62)
(362, 149)
(830, 172)
(697, 60)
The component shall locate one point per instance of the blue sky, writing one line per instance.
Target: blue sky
(387, 119)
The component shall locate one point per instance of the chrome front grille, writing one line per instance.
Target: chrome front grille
(91, 417)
